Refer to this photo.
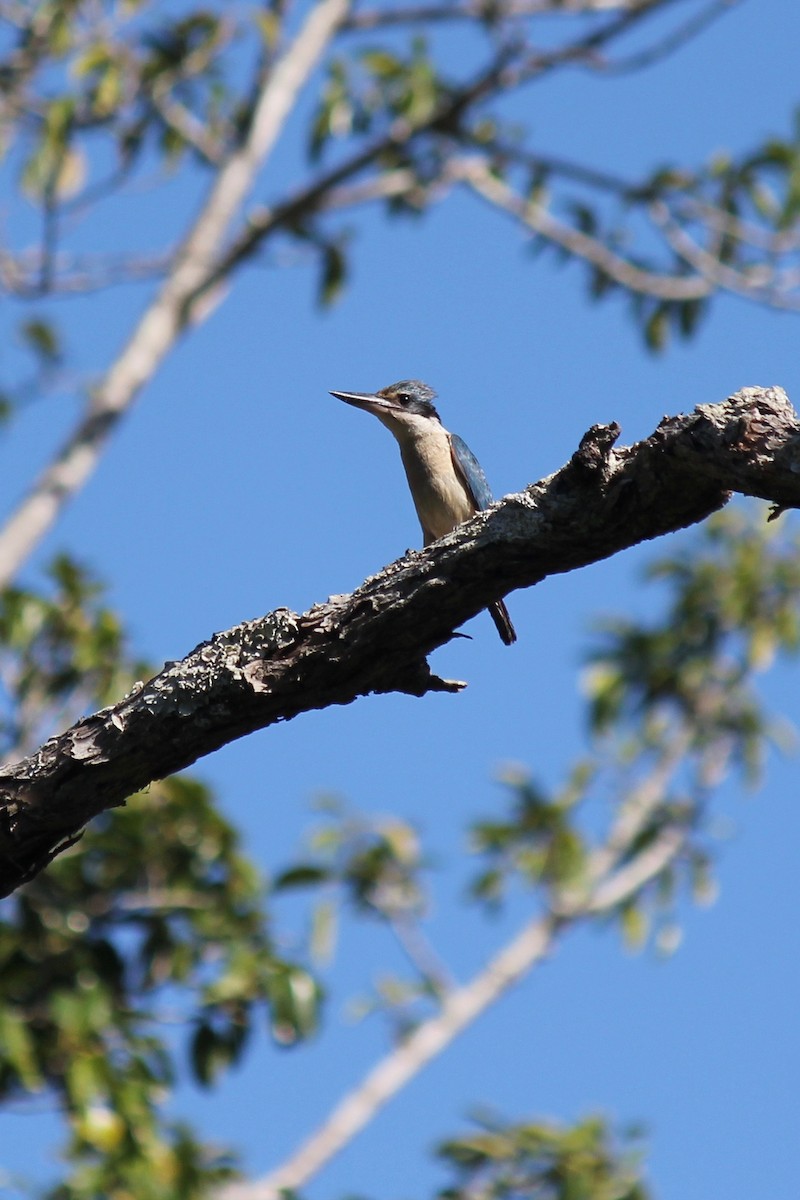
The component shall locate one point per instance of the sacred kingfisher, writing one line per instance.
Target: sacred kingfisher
(447, 483)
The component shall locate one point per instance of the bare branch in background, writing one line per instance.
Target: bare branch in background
(768, 284)
(79, 273)
(773, 242)
(190, 128)
(477, 10)
(460, 1007)
(506, 71)
(671, 44)
(477, 175)
(166, 317)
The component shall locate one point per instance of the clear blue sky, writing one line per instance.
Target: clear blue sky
(238, 485)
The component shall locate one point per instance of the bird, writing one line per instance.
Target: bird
(446, 480)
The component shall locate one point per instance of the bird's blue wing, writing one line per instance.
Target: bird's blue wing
(470, 472)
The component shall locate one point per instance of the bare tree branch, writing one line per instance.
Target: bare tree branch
(507, 70)
(166, 317)
(766, 238)
(771, 286)
(191, 128)
(555, 164)
(616, 873)
(80, 273)
(377, 639)
(671, 44)
(639, 805)
(762, 282)
(476, 10)
(459, 1009)
(477, 175)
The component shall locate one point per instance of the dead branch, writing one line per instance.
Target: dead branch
(378, 639)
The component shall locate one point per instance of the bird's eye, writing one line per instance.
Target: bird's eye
(403, 398)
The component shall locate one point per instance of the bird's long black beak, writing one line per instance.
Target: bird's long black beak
(368, 401)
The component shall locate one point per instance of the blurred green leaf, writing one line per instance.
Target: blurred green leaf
(41, 336)
(300, 876)
(295, 999)
(550, 1162)
(333, 274)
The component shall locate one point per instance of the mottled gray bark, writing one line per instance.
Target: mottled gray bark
(377, 639)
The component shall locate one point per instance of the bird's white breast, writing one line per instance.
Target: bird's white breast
(440, 497)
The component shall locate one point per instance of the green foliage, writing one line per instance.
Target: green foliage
(375, 86)
(337, 115)
(733, 608)
(543, 1160)
(375, 863)
(371, 867)
(55, 167)
(121, 74)
(673, 709)
(42, 339)
(333, 273)
(539, 841)
(60, 651)
(113, 1165)
(99, 93)
(155, 909)
(666, 317)
(44, 353)
(150, 933)
(171, 43)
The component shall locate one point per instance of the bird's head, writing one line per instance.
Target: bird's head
(408, 398)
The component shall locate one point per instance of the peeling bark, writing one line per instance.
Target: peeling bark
(378, 638)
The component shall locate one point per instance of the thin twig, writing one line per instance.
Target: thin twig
(639, 806)
(476, 174)
(761, 281)
(421, 954)
(555, 164)
(475, 10)
(187, 126)
(641, 870)
(671, 43)
(80, 273)
(771, 241)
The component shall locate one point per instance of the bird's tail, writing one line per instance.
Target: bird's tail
(499, 614)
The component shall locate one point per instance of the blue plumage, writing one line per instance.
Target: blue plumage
(471, 473)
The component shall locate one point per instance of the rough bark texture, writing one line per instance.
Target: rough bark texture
(377, 639)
